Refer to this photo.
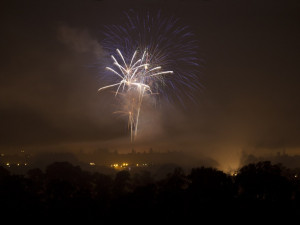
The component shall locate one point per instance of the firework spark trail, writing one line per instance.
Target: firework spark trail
(137, 79)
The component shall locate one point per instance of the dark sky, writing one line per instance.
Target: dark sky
(251, 99)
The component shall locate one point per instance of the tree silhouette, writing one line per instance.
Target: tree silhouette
(263, 190)
(69, 194)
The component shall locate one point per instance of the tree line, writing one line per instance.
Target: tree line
(65, 193)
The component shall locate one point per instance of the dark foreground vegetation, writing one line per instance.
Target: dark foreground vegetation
(64, 193)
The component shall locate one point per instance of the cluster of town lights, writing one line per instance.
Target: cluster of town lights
(17, 164)
(124, 165)
(116, 165)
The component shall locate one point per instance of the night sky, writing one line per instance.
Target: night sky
(250, 101)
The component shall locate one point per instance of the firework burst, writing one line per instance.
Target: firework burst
(151, 56)
(135, 79)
